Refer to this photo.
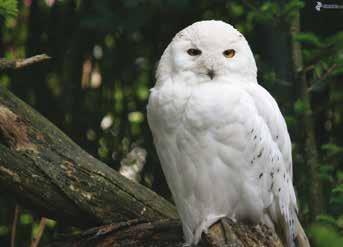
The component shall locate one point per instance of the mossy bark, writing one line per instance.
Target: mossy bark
(44, 167)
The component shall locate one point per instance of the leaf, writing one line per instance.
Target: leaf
(335, 40)
(326, 219)
(308, 38)
(8, 8)
(337, 200)
(291, 121)
(332, 149)
(323, 235)
(291, 8)
(299, 106)
(338, 71)
(318, 70)
(340, 176)
(236, 9)
(340, 222)
(326, 172)
(338, 189)
(3, 230)
(26, 219)
(325, 177)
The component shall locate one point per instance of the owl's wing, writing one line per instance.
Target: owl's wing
(250, 135)
(286, 201)
(270, 112)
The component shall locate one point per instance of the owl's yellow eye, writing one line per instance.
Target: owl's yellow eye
(193, 52)
(229, 53)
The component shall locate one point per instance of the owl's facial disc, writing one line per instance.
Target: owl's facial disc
(197, 53)
(208, 51)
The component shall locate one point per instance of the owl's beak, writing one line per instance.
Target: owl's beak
(211, 73)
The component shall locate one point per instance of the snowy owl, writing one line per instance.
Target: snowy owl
(221, 138)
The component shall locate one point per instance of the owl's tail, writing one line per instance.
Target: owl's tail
(301, 239)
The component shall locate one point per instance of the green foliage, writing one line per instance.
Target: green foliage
(338, 189)
(26, 219)
(324, 58)
(290, 9)
(332, 149)
(4, 230)
(326, 172)
(308, 38)
(300, 107)
(274, 12)
(326, 236)
(336, 199)
(8, 8)
(97, 85)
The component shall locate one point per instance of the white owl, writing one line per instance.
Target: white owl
(221, 139)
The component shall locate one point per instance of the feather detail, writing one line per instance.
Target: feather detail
(222, 141)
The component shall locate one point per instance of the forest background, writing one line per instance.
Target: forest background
(104, 54)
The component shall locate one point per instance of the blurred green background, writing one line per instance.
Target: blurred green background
(104, 55)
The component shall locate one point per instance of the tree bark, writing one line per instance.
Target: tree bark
(168, 233)
(48, 173)
(310, 143)
(6, 64)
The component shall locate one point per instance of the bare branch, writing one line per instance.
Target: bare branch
(14, 225)
(6, 64)
(41, 228)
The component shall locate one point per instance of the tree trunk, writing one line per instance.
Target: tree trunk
(48, 173)
(311, 154)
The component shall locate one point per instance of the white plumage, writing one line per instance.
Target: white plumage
(221, 139)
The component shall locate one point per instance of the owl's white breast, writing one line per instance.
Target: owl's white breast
(202, 136)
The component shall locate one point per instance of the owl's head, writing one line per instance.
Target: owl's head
(205, 51)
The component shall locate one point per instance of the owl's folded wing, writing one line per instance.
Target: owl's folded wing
(245, 130)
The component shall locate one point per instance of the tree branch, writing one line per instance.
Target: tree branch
(50, 174)
(47, 170)
(168, 233)
(6, 64)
